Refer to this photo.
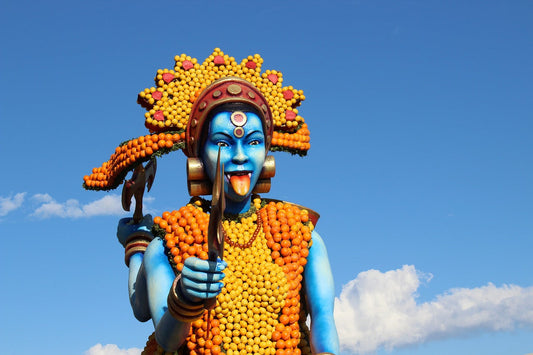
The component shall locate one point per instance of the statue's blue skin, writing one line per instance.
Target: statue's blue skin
(246, 154)
(151, 275)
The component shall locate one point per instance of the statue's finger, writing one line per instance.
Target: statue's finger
(202, 276)
(197, 264)
(201, 286)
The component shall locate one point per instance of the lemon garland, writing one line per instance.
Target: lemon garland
(130, 154)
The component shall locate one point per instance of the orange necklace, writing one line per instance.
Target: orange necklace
(248, 243)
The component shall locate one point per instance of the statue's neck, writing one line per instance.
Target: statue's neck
(237, 207)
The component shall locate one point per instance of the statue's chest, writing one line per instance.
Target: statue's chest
(253, 297)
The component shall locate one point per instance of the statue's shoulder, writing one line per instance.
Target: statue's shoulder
(188, 214)
(313, 215)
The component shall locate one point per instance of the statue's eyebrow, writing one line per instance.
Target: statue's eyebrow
(254, 132)
(222, 133)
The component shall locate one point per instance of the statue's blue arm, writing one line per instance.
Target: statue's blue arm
(150, 279)
(137, 288)
(320, 292)
(169, 332)
(201, 280)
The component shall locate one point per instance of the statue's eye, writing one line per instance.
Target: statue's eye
(222, 144)
(254, 142)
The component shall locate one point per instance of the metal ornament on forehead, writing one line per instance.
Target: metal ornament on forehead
(239, 119)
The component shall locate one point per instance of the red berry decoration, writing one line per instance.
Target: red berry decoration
(168, 77)
(273, 78)
(290, 115)
(288, 94)
(219, 60)
(187, 64)
(159, 116)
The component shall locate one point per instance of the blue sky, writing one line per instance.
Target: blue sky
(421, 162)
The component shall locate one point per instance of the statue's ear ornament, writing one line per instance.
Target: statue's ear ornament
(198, 182)
(267, 173)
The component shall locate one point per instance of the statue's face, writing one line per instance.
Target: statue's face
(241, 140)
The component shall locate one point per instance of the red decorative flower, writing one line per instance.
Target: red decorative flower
(219, 60)
(159, 116)
(187, 64)
(168, 77)
(290, 115)
(273, 78)
(288, 94)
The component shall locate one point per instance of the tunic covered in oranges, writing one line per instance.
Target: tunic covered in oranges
(260, 309)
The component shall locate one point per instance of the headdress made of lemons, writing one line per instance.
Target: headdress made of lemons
(173, 100)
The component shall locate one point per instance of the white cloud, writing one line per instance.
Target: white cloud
(107, 205)
(8, 204)
(379, 310)
(41, 198)
(45, 206)
(111, 349)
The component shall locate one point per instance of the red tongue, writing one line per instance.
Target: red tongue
(240, 184)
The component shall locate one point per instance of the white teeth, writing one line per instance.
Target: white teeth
(237, 173)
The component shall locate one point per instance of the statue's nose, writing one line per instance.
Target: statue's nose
(239, 154)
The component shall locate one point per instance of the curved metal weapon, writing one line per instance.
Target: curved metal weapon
(215, 233)
(134, 187)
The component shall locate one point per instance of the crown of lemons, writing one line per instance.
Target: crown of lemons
(169, 104)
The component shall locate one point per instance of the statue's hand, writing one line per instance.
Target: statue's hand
(127, 229)
(201, 279)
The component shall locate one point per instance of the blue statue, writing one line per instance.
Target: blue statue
(242, 273)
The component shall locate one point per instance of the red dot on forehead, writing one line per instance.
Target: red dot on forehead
(238, 132)
(238, 118)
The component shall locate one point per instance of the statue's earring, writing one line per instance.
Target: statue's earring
(198, 182)
(267, 173)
